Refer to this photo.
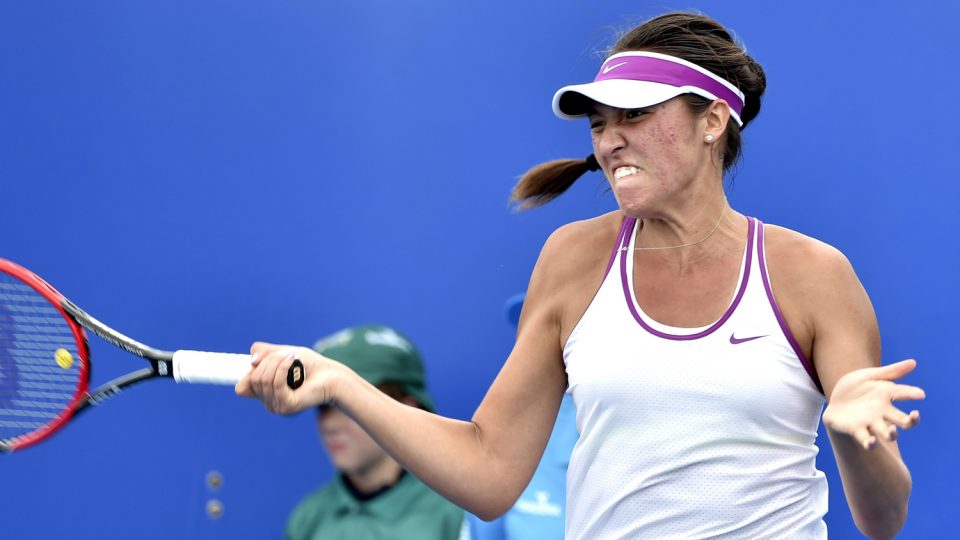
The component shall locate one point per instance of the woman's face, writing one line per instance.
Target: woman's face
(652, 157)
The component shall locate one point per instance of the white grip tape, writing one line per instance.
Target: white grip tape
(197, 367)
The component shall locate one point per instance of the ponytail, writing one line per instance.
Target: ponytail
(546, 181)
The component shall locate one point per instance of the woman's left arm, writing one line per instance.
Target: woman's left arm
(861, 418)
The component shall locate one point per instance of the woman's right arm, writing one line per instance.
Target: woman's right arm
(482, 465)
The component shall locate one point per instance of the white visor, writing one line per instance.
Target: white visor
(633, 80)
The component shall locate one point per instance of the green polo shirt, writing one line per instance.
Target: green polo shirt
(408, 510)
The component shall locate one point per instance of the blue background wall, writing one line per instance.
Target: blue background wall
(201, 174)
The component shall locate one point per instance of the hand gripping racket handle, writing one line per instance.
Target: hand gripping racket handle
(198, 367)
(296, 374)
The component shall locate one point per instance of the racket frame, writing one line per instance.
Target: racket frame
(182, 365)
(161, 362)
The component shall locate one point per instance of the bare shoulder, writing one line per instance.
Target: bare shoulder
(571, 267)
(798, 257)
(822, 299)
(588, 231)
(580, 244)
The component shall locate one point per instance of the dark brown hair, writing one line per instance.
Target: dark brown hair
(392, 389)
(693, 37)
(397, 392)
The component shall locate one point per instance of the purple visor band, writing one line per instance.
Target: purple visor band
(660, 77)
(664, 71)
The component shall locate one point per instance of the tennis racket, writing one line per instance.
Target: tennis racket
(45, 360)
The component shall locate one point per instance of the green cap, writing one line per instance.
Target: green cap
(379, 354)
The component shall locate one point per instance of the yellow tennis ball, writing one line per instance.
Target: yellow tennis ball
(64, 358)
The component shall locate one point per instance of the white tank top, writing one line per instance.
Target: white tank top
(692, 432)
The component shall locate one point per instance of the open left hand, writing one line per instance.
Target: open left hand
(861, 405)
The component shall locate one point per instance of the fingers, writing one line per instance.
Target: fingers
(862, 404)
(245, 386)
(868, 436)
(892, 372)
(901, 419)
(260, 349)
(242, 388)
(902, 392)
(281, 392)
(268, 371)
(266, 380)
(261, 365)
(883, 431)
(865, 438)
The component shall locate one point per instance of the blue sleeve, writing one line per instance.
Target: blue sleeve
(485, 530)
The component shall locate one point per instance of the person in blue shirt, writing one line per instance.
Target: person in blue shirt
(539, 513)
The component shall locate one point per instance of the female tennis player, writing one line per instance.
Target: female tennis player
(699, 344)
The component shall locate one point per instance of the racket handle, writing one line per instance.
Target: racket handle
(198, 367)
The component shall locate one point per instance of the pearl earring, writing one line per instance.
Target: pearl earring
(708, 138)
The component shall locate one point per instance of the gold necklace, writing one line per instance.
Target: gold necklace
(704, 239)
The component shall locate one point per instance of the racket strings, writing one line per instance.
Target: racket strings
(39, 360)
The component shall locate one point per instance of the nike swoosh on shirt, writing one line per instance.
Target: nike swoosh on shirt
(608, 69)
(736, 341)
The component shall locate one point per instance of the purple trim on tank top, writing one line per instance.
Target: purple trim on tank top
(631, 299)
(807, 365)
(627, 225)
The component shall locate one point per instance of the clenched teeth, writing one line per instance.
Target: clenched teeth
(622, 172)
